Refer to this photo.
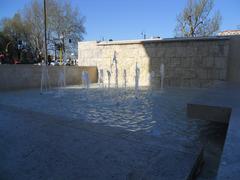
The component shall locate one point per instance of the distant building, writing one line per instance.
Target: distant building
(229, 33)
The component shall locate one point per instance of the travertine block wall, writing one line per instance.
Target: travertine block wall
(14, 77)
(127, 56)
(188, 62)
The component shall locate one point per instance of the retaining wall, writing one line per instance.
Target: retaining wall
(13, 77)
(233, 74)
(192, 62)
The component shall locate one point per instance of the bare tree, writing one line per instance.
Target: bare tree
(197, 19)
(33, 16)
(63, 22)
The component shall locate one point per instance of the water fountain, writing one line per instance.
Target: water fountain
(111, 93)
(64, 75)
(125, 78)
(85, 79)
(162, 74)
(151, 78)
(101, 78)
(114, 62)
(137, 75)
(109, 78)
(62, 78)
(45, 82)
(61, 82)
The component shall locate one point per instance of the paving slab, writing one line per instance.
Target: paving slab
(216, 103)
(40, 146)
(230, 161)
(224, 94)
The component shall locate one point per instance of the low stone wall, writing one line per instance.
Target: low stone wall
(194, 62)
(13, 77)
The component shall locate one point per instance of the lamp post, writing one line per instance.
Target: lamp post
(45, 84)
(45, 31)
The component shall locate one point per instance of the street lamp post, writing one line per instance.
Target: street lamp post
(45, 30)
(45, 77)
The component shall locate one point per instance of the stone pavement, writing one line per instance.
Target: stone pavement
(222, 103)
(40, 146)
(229, 167)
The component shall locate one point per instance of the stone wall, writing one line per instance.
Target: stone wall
(13, 77)
(234, 60)
(197, 62)
(127, 55)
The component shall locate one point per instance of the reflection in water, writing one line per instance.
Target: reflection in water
(125, 78)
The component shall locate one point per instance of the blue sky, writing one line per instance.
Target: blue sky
(126, 19)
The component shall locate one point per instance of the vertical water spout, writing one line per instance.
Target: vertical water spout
(101, 78)
(114, 63)
(162, 74)
(151, 79)
(137, 75)
(85, 79)
(109, 78)
(61, 82)
(125, 78)
(64, 75)
(45, 81)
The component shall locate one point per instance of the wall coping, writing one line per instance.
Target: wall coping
(144, 41)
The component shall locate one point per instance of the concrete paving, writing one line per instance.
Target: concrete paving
(222, 103)
(230, 161)
(40, 146)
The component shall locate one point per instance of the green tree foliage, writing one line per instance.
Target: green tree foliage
(3, 42)
(197, 19)
(12, 30)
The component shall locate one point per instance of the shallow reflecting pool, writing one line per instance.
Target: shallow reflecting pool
(154, 112)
